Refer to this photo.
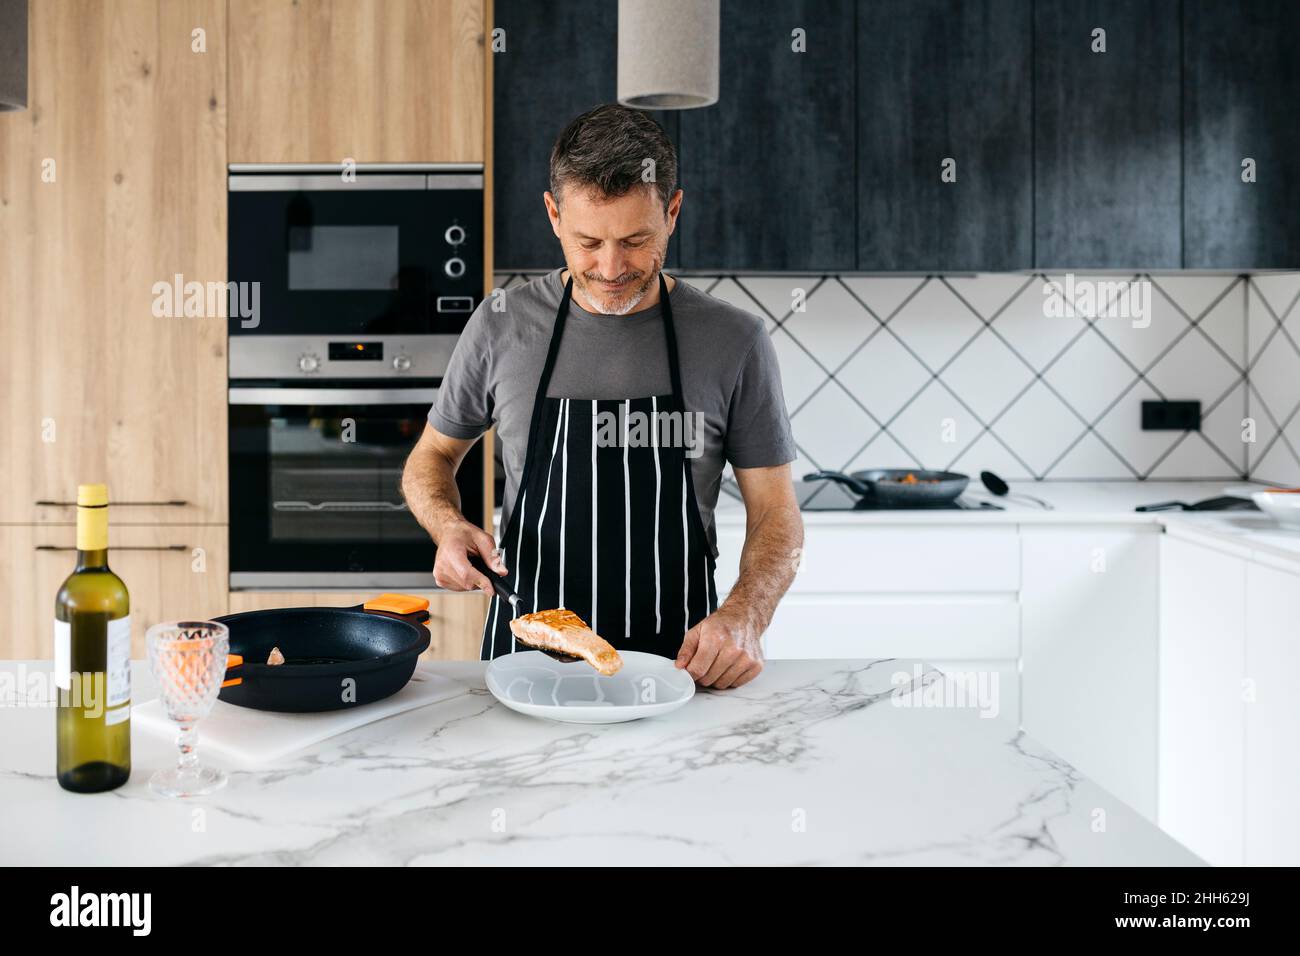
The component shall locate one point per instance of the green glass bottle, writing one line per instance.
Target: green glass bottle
(92, 659)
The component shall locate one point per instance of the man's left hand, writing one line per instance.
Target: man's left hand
(722, 651)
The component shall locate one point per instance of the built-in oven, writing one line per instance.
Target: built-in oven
(350, 289)
(315, 484)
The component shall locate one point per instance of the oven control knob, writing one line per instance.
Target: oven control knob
(454, 235)
(308, 362)
(402, 363)
(454, 267)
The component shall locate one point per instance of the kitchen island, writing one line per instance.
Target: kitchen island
(815, 762)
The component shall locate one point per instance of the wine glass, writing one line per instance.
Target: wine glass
(188, 659)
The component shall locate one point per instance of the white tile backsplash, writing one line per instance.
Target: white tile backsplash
(974, 373)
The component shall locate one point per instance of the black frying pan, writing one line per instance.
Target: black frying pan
(323, 647)
(886, 485)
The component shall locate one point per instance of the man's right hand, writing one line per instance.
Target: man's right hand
(451, 567)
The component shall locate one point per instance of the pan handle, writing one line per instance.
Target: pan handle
(858, 487)
(403, 605)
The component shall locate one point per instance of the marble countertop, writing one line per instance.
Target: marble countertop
(815, 762)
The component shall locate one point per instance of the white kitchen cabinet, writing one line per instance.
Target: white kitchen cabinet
(943, 594)
(1202, 717)
(1089, 622)
(899, 591)
(1272, 716)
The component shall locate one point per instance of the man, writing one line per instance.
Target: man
(618, 393)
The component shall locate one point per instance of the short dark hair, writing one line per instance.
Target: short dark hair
(605, 149)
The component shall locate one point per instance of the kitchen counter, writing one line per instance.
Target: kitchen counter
(1074, 502)
(813, 763)
(1250, 534)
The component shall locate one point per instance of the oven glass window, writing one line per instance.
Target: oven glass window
(337, 479)
(342, 257)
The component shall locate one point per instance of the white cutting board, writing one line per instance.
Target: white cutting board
(240, 736)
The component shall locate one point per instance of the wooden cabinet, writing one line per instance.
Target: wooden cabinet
(560, 61)
(937, 81)
(767, 171)
(171, 572)
(1107, 176)
(1272, 713)
(114, 180)
(455, 619)
(1088, 613)
(1202, 717)
(380, 81)
(1241, 83)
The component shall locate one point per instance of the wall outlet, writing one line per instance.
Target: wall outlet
(1171, 416)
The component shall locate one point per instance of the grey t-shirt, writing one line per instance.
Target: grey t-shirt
(729, 376)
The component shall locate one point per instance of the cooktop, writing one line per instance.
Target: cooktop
(829, 496)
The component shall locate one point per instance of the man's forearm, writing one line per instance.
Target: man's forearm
(429, 487)
(768, 562)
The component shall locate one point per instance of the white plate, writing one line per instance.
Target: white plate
(646, 686)
(1282, 508)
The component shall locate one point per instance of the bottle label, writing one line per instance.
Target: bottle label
(63, 654)
(118, 676)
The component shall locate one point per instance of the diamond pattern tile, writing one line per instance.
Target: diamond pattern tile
(1280, 290)
(881, 294)
(934, 324)
(987, 375)
(1232, 343)
(775, 294)
(800, 375)
(883, 451)
(1039, 427)
(831, 426)
(936, 427)
(832, 324)
(1091, 458)
(1025, 325)
(1140, 449)
(884, 375)
(1193, 368)
(1089, 375)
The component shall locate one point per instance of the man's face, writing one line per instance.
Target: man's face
(614, 248)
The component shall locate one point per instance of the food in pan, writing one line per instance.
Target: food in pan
(563, 631)
(275, 657)
(911, 479)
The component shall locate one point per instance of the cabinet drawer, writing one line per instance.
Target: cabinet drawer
(171, 573)
(873, 559)
(861, 626)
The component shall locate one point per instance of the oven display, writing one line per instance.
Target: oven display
(356, 351)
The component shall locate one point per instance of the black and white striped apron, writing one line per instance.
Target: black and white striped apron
(610, 531)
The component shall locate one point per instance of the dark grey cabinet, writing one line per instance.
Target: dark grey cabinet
(768, 171)
(944, 85)
(832, 159)
(1241, 102)
(1107, 176)
(560, 60)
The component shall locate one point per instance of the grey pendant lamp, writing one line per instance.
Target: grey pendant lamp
(13, 55)
(667, 53)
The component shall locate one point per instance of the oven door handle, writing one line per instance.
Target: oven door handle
(332, 396)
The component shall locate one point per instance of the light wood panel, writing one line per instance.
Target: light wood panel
(130, 122)
(374, 80)
(455, 619)
(171, 572)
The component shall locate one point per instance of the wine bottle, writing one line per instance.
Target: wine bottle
(92, 659)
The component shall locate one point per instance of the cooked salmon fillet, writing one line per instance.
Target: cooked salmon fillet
(563, 631)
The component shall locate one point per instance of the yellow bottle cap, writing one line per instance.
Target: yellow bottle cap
(92, 495)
